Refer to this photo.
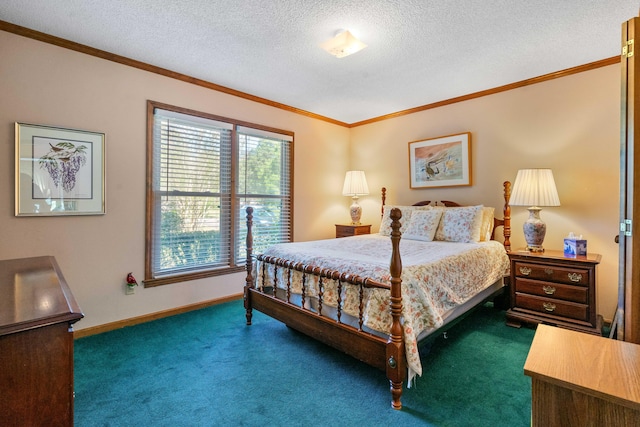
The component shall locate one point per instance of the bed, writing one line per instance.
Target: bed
(355, 295)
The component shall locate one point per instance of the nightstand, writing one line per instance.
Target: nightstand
(352, 230)
(553, 289)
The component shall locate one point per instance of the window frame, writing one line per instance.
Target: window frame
(152, 203)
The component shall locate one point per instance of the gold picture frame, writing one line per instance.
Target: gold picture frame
(59, 171)
(444, 161)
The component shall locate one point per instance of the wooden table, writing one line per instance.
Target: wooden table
(582, 380)
(37, 310)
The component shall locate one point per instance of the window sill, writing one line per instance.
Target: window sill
(185, 277)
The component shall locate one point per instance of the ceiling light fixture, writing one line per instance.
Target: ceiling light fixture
(343, 44)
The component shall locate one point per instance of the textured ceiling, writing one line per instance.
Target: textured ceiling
(419, 51)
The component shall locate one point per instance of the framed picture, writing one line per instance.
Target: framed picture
(440, 162)
(58, 171)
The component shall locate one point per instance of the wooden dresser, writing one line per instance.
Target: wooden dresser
(37, 311)
(582, 380)
(550, 288)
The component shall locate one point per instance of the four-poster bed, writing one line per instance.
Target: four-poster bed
(341, 294)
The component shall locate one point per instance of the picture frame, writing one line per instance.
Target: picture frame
(444, 161)
(59, 171)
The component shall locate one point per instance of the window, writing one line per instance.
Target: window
(203, 171)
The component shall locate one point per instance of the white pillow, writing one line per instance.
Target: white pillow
(460, 224)
(487, 224)
(385, 225)
(423, 225)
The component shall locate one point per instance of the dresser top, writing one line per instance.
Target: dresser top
(601, 367)
(34, 294)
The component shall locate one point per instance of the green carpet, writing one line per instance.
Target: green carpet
(207, 368)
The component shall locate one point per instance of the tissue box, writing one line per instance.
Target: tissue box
(575, 247)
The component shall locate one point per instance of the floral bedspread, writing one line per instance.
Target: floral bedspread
(436, 277)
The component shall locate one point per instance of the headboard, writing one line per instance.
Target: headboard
(505, 222)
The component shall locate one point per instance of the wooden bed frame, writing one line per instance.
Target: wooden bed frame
(384, 353)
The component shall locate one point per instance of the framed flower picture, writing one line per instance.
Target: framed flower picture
(440, 162)
(59, 171)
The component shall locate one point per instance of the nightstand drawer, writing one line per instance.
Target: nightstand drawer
(553, 273)
(352, 230)
(554, 307)
(577, 294)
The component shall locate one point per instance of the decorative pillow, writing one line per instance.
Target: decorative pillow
(460, 224)
(423, 225)
(486, 226)
(385, 225)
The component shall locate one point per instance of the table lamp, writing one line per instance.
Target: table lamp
(355, 185)
(534, 188)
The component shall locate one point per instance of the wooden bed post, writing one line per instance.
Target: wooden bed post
(506, 228)
(384, 199)
(396, 357)
(249, 280)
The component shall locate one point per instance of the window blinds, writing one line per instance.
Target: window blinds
(192, 192)
(205, 173)
(264, 183)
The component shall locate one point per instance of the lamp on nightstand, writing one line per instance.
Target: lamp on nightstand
(355, 185)
(534, 188)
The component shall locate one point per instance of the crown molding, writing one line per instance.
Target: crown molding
(67, 44)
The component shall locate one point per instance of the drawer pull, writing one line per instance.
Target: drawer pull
(548, 306)
(525, 271)
(575, 277)
(548, 271)
(549, 290)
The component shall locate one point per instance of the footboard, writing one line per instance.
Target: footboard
(310, 314)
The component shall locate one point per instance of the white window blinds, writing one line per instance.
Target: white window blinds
(204, 174)
(192, 193)
(264, 183)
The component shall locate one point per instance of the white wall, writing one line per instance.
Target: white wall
(570, 125)
(44, 84)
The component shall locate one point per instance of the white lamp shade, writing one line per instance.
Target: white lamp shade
(534, 187)
(355, 184)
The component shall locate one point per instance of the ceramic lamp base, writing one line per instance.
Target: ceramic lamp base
(356, 212)
(534, 230)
